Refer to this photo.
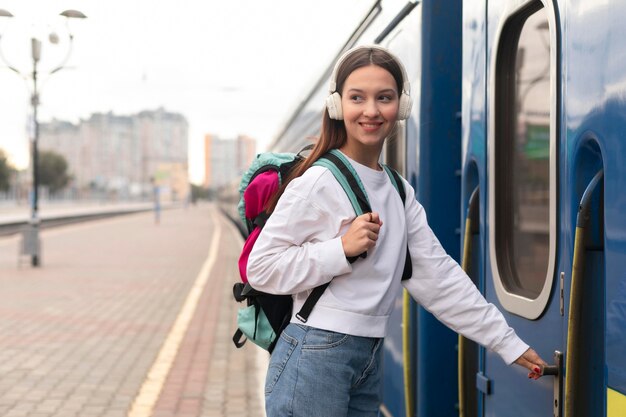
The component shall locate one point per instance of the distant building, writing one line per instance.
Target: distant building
(246, 152)
(122, 154)
(226, 159)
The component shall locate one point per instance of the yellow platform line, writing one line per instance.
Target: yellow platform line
(151, 389)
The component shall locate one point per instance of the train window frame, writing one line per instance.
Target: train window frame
(502, 65)
(394, 150)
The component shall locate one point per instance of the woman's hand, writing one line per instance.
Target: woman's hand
(362, 234)
(533, 362)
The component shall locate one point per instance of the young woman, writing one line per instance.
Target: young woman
(330, 366)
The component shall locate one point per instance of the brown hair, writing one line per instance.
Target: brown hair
(333, 134)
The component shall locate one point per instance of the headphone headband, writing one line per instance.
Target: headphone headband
(406, 86)
(333, 101)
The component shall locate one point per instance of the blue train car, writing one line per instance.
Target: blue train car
(544, 84)
(519, 114)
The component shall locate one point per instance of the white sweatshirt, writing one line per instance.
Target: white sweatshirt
(300, 248)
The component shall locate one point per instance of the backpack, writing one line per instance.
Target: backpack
(266, 315)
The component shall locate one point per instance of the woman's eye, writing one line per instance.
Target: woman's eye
(356, 98)
(385, 98)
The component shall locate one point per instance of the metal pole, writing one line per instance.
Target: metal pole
(30, 238)
(34, 221)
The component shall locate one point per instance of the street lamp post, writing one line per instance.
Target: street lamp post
(33, 234)
(31, 244)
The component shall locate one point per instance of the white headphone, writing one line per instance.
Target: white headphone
(333, 101)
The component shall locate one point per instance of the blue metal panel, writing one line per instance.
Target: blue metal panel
(511, 389)
(474, 131)
(596, 109)
(593, 108)
(439, 190)
(599, 137)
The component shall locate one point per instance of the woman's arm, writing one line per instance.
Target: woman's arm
(442, 287)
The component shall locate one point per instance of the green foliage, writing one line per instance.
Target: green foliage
(53, 171)
(6, 172)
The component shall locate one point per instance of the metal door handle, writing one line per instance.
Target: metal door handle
(556, 370)
(550, 370)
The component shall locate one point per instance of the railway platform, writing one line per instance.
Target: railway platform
(127, 318)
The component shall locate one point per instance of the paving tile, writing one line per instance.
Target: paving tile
(79, 334)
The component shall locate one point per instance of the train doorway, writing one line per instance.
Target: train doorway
(522, 251)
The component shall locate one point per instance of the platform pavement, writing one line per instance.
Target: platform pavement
(80, 335)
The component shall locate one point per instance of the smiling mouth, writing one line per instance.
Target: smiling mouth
(370, 126)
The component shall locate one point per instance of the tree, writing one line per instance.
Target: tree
(6, 172)
(53, 171)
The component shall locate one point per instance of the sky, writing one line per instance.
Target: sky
(229, 66)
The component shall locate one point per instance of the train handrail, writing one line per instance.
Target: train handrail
(573, 328)
(466, 264)
(396, 20)
(406, 353)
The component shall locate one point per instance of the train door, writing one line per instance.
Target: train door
(521, 251)
(470, 355)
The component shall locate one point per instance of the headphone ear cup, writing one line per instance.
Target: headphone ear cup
(404, 109)
(333, 104)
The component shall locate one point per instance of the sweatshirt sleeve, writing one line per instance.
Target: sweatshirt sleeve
(441, 286)
(298, 249)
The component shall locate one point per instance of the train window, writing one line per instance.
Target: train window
(522, 203)
(394, 151)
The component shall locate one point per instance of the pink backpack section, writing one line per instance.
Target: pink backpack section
(256, 196)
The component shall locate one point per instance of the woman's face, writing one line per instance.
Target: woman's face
(370, 102)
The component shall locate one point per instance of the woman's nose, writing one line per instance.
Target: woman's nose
(371, 109)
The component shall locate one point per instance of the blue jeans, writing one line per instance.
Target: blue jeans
(319, 373)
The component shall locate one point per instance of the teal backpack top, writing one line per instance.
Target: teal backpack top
(281, 163)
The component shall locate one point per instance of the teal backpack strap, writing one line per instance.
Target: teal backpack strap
(347, 177)
(396, 180)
